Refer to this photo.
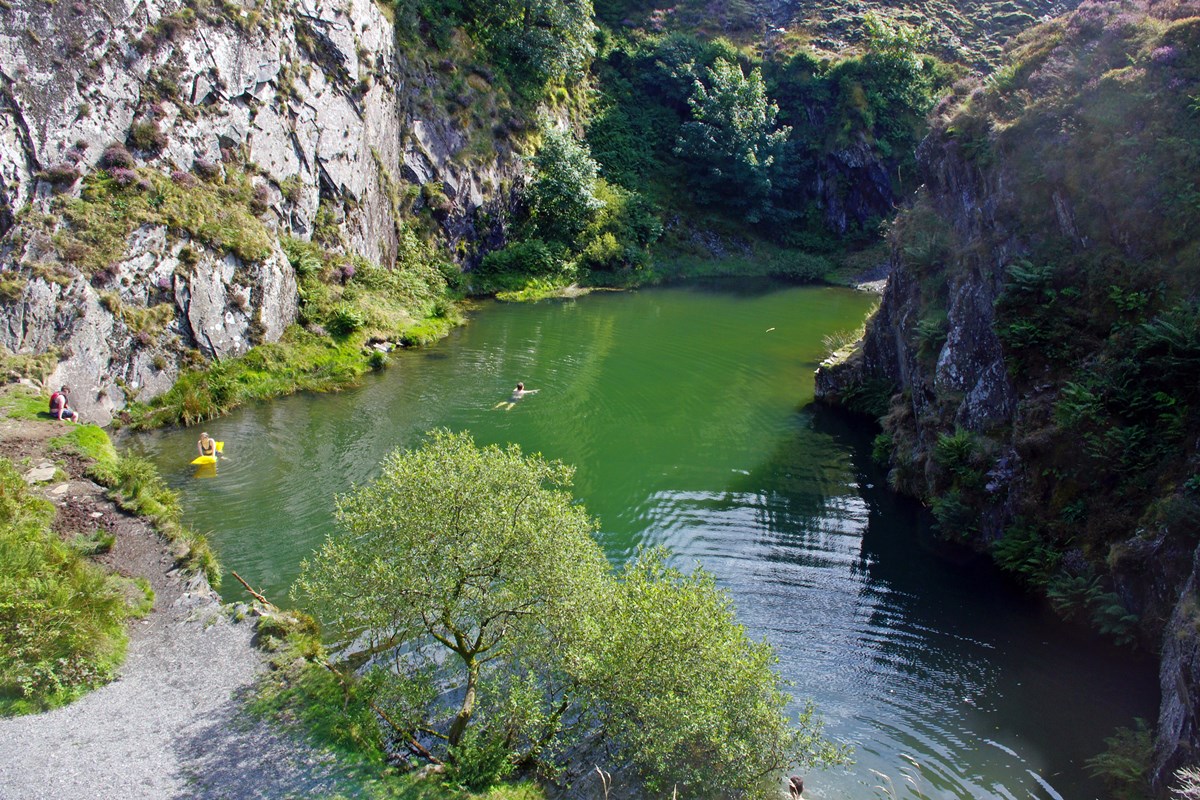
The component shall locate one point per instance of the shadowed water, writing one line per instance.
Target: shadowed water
(686, 414)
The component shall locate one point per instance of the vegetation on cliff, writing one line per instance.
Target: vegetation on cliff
(1093, 122)
(1061, 192)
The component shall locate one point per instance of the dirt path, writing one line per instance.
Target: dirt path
(173, 724)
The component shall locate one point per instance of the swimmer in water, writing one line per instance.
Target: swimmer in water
(517, 394)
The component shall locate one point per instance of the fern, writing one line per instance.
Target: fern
(1125, 765)
(1113, 619)
(1072, 595)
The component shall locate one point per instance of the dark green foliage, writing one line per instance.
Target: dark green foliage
(879, 100)
(1023, 551)
(1083, 597)
(1113, 619)
(931, 333)
(881, 448)
(732, 141)
(870, 397)
(1125, 764)
(955, 517)
(954, 451)
(1072, 595)
(735, 152)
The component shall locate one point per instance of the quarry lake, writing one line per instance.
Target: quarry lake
(687, 413)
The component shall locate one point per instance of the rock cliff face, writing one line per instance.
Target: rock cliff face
(335, 126)
(1007, 304)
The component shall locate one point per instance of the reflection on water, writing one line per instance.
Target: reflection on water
(683, 411)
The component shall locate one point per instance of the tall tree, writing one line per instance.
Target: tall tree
(472, 576)
(562, 197)
(455, 550)
(734, 139)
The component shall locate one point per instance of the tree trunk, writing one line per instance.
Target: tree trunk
(468, 705)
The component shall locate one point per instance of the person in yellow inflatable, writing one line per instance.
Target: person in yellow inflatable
(207, 446)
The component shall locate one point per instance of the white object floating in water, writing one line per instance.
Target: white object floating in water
(768, 330)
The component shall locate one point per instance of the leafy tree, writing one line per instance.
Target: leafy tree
(472, 568)
(733, 137)
(562, 197)
(456, 552)
(544, 40)
(680, 685)
(533, 41)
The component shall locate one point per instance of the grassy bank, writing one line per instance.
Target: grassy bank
(62, 616)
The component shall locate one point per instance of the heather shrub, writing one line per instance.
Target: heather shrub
(115, 156)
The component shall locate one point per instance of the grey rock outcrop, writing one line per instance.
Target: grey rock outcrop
(969, 364)
(130, 338)
(335, 124)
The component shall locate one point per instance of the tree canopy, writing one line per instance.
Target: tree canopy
(500, 635)
(733, 137)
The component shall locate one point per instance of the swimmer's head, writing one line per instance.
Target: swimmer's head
(520, 386)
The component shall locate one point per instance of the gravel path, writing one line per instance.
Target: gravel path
(173, 724)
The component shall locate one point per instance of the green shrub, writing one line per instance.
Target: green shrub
(931, 332)
(60, 617)
(955, 517)
(1125, 764)
(881, 448)
(1023, 551)
(959, 453)
(1073, 595)
(530, 257)
(344, 321)
(479, 761)
(147, 136)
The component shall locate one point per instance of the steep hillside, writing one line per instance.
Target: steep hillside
(968, 31)
(1040, 336)
(153, 154)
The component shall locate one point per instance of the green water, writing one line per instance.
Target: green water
(686, 412)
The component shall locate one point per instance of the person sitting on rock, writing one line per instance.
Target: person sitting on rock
(59, 408)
